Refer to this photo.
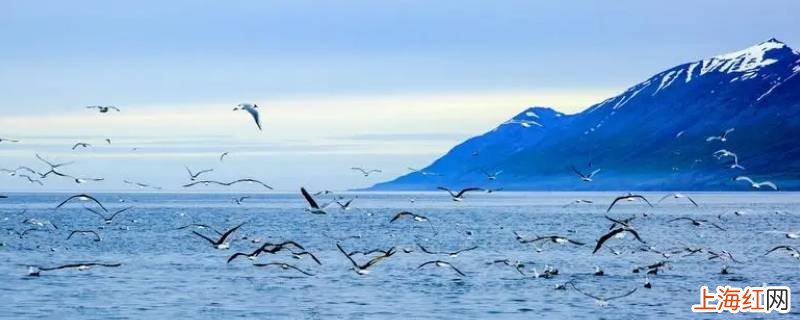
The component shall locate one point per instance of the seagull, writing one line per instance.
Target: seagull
(363, 269)
(35, 271)
(299, 255)
(554, 239)
(678, 196)
(787, 234)
(81, 144)
(458, 197)
(220, 244)
(141, 185)
(722, 137)
(193, 176)
(207, 182)
(108, 141)
(366, 172)
(628, 196)
(31, 179)
(603, 301)
(239, 200)
(424, 173)
(252, 109)
(80, 180)
(199, 226)
(275, 248)
(284, 266)
(416, 217)
(792, 251)
(578, 201)
(83, 197)
(345, 206)
(442, 264)
(613, 233)
(722, 255)
(492, 176)
(103, 109)
(313, 207)
(222, 156)
(585, 177)
(39, 222)
(516, 264)
(74, 232)
(8, 140)
(108, 219)
(697, 222)
(653, 268)
(452, 254)
(719, 154)
(24, 232)
(620, 222)
(757, 185)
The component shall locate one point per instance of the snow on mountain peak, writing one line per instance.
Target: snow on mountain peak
(746, 60)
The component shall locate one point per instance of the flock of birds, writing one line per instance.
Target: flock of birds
(362, 262)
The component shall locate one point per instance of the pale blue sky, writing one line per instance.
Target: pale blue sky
(415, 77)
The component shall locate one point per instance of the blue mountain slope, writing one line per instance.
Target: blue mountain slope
(652, 136)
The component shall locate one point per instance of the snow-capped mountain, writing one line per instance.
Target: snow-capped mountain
(652, 136)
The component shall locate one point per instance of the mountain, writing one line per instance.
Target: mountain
(652, 136)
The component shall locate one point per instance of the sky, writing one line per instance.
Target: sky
(377, 84)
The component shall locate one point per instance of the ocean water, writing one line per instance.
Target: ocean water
(168, 273)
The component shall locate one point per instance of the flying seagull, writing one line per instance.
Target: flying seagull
(313, 207)
(141, 185)
(284, 266)
(240, 200)
(722, 137)
(363, 269)
(678, 196)
(602, 300)
(83, 197)
(516, 264)
(74, 232)
(792, 251)
(492, 175)
(222, 156)
(221, 243)
(252, 109)
(108, 219)
(554, 239)
(613, 233)
(442, 264)
(366, 172)
(697, 222)
(207, 182)
(628, 196)
(103, 109)
(193, 176)
(452, 254)
(719, 154)
(31, 179)
(620, 222)
(585, 177)
(35, 271)
(578, 201)
(757, 185)
(8, 140)
(458, 197)
(81, 144)
(274, 249)
(414, 216)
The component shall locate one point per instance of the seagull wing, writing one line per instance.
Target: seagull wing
(313, 204)
(346, 255)
(463, 191)
(229, 232)
(605, 238)
(253, 112)
(212, 241)
(118, 212)
(83, 195)
(448, 191)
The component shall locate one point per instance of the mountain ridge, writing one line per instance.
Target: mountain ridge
(651, 136)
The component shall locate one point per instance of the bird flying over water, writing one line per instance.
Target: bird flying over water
(252, 109)
(81, 144)
(92, 232)
(366, 172)
(193, 176)
(614, 233)
(460, 195)
(585, 177)
(442, 264)
(492, 175)
(722, 137)
(35, 271)
(757, 185)
(222, 242)
(83, 197)
(697, 222)
(601, 300)
(284, 266)
(628, 196)
(313, 206)
(678, 196)
(108, 219)
(103, 109)
(227, 184)
(363, 269)
(222, 156)
(452, 254)
(8, 140)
